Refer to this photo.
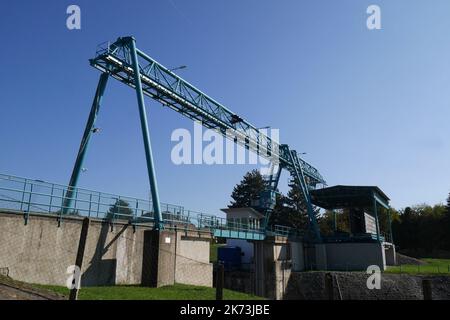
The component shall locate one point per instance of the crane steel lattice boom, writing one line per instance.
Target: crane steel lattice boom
(126, 63)
(166, 87)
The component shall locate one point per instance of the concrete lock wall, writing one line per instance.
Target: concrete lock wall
(192, 261)
(321, 257)
(355, 256)
(298, 256)
(40, 252)
(37, 253)
(272, 267)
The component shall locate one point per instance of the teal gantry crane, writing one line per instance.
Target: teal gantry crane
(123, 61)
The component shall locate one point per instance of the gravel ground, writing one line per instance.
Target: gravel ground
(15, 290)
(311, 286)
(9, 293)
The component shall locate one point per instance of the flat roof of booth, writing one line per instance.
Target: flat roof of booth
(339, 197)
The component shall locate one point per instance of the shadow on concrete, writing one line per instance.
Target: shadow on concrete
(102, 272)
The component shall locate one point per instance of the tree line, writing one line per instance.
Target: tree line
(423, 230)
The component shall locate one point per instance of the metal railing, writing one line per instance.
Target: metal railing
(214, 222)
(285, 231)
(40, 197)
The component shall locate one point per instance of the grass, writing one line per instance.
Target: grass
(175, 292)
(432, 266)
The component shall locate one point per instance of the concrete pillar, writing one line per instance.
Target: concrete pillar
(298, 256)
(259, 268)
(158, 263)
(272, 267)
(321, 257)
(391, 257)
(80, 254)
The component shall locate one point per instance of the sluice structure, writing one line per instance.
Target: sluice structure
(274, 250)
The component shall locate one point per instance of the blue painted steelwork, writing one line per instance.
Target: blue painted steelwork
(86, 137)
(145, 134)
(136, 69)
(284, 231)
(237, 234)
(169, 89)
(129, 43)
(37, 197)
(298, 174)
(224, 228)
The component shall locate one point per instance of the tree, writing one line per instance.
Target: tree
(248, 189)
(280, 212)
(422, 230)
(291, 210)
(326, 221)
(120, 210)
(448, 204)
(446, 225)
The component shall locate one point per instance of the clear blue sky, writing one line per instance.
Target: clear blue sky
(368, 107)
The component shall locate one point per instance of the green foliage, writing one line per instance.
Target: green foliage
(422, 229)
(120, 209)
(448, 204)
(326, 222)
(248, 189)
(70, 212)
(446, 224)
(291, 210)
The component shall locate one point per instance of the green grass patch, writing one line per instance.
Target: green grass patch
(432, 266)
(175, 292)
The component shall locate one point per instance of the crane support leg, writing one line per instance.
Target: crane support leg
(272, 185)
(297, 172)
(68, 199)
(145, 133)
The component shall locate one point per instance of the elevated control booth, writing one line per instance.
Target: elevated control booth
(365, 243)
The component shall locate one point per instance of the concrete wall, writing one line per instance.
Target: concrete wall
(298, 256)
(158, 265)
(272, 267)
(40, 252)
(355, 256)
(341, 256)
(321, 257)
(391, 256)
(192, 261)
(240, 280)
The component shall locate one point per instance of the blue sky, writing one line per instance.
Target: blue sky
(368, 107)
